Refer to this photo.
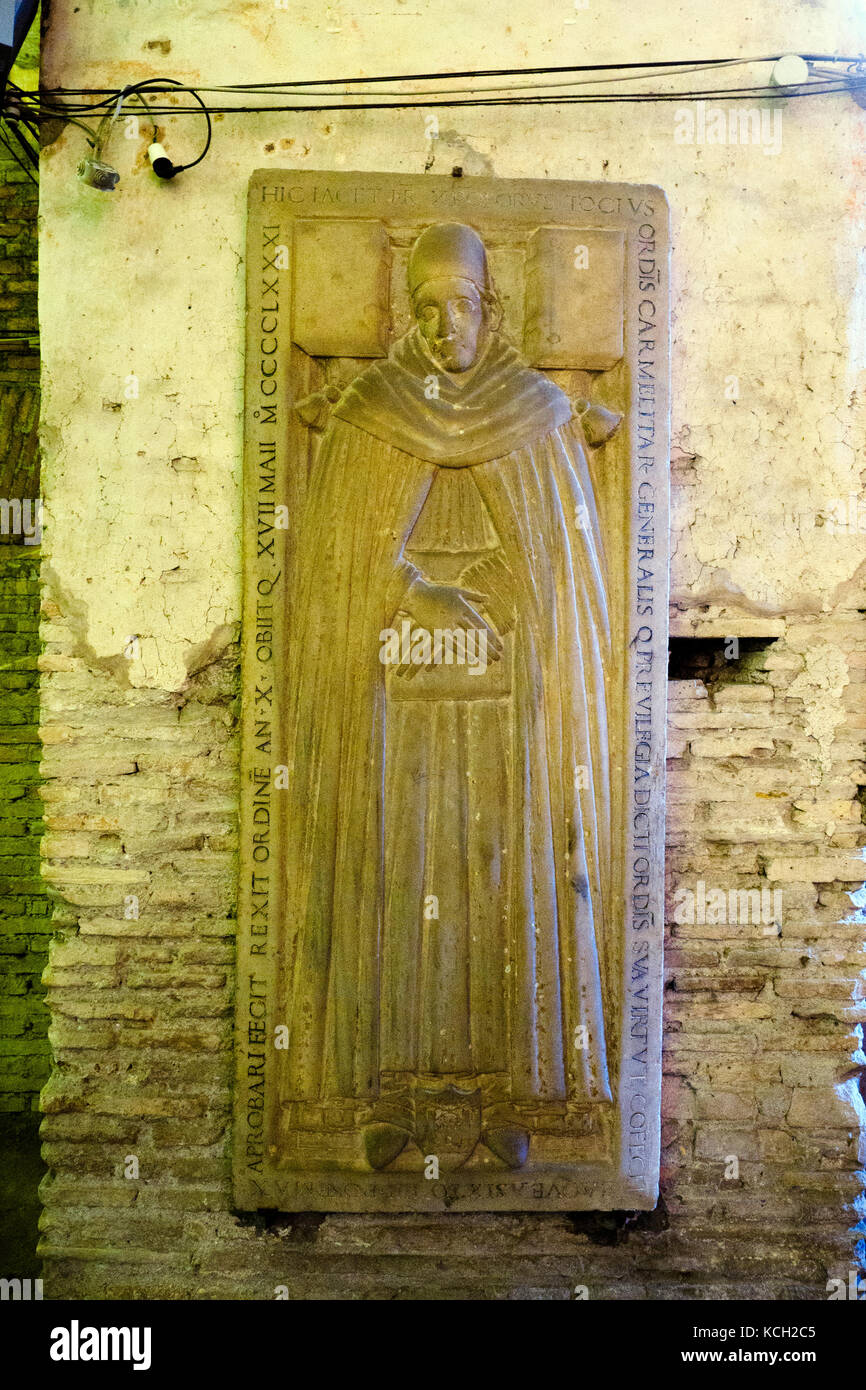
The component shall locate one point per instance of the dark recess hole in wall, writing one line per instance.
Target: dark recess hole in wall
(301, 1227)
(600, 1227)
(21, 1171)
(615, 1227)
(705, 659)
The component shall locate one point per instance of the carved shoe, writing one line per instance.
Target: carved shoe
(383, 1143)
(508, 1142)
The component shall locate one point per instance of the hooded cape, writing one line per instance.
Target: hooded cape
(378, 457)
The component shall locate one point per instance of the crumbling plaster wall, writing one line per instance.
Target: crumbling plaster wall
(142, 493)
(142, 312)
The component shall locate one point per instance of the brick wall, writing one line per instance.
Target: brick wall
(24, 924)
(24, 1063)
(761, 1060)
(24, 921)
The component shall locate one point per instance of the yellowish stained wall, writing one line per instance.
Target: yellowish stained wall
(143, 494)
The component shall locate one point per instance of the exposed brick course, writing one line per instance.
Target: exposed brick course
(762, 1022)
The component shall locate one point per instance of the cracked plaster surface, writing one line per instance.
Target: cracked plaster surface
(143, 343)
(820, 686)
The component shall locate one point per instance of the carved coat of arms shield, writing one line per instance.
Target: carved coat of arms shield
(448, 1124)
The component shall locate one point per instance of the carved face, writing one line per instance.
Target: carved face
(450, 314)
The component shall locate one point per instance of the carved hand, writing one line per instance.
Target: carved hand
(432, 606)
(491, 574)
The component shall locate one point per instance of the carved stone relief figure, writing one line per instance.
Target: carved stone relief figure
(447, 846)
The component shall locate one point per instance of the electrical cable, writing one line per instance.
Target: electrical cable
(29, 146)
(136, 88)
(664, 70)
(32, 130)
(149, 113)
(475, 73)
(65, 103)
(294, 88)
(86, 128)
(18, 160)
(724, 93)
(741, 94)
(22, 104)
(622, 73)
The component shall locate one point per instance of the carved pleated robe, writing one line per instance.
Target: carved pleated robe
(497, 795)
